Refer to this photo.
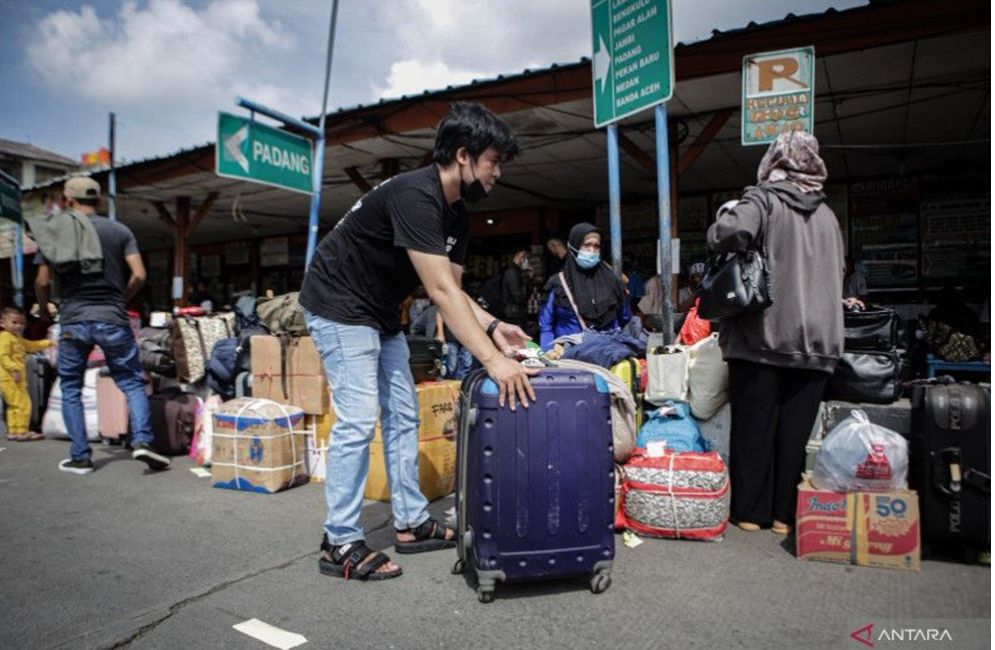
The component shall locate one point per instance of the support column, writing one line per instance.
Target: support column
(181, 256)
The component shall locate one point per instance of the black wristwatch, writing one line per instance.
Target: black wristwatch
(492, 327)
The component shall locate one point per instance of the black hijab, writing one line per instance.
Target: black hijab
(598, 292)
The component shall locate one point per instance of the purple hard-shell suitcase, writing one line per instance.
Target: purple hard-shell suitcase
(535, 491)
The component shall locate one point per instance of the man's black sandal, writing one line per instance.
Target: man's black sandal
(349, 561)
(429, 536)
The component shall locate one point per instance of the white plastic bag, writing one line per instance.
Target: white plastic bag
(668, 375)
(52, 424)
(860, 455)
(708, 378)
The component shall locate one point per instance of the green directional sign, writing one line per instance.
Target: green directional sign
(632, 66)
(10, 201)
(251, 151)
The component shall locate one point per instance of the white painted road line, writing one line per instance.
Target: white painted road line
(270, 635)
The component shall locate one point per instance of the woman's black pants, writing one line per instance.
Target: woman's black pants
(773, 410)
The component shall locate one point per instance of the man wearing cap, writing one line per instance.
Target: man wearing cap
(687, 294)
(99, 269)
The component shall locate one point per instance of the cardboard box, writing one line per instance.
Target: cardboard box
(879, 529)
(436, 470)
(436, 444)
(258, 446)
(301, 374)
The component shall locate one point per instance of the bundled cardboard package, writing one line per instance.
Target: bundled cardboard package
(288, 370)
(879, 529)
(258, 446)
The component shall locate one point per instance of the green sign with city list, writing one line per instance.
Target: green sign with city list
(632, 64)
(778, 94)
(10, 201)
(255, 152)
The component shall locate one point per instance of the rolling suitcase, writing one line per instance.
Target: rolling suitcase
(112, 410)
(41, 376)
(426, 358)
(535, 492)
(950, 467)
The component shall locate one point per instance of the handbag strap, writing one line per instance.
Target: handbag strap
(570, 297)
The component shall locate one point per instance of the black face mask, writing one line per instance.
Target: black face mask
(472, 192)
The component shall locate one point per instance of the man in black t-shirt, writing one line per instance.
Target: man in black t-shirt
(92, 311)
(411, 229)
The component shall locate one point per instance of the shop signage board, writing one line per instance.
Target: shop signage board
(778, 94)
(250, 151)
(632, 64)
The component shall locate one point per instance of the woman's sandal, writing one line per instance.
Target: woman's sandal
(354, 561)
(429, 536)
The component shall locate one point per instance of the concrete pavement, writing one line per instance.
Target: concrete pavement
(126, 558)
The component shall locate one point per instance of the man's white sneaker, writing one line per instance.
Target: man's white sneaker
(150, 457)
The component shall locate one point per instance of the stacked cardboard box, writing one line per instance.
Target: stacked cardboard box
(288, 370)
(879, 529)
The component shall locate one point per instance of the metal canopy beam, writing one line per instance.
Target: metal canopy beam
(707, 134)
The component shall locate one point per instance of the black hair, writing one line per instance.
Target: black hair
(471, 125)
(92, 202)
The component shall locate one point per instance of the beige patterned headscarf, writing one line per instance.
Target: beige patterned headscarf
(794, 157)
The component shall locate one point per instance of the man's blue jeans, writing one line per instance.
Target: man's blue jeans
(370, 377)
(119, 346)
(459, 360)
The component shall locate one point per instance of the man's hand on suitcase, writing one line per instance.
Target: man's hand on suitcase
(513, 380)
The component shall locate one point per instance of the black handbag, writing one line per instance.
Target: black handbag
(871, 328)
(868, 377)
(737, 282)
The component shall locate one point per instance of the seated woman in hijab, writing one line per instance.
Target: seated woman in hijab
(585, 295)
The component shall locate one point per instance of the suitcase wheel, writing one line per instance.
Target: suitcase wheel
(600, 582)
(458, 567)
(485, 595)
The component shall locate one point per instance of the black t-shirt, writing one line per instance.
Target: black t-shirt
(99, 296)
(361, 272)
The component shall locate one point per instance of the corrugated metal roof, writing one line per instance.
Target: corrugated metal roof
(31, 152)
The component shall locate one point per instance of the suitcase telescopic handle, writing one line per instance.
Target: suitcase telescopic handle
(947, 475)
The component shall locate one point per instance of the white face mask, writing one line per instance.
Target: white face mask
(525, 264)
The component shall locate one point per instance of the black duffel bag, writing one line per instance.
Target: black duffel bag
(426, 358)
(868, 377)
(871, 328)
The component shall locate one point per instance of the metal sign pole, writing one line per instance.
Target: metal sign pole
(112, 179)
(614, 199)
(319, 155)
(19, 265)
(663, 207)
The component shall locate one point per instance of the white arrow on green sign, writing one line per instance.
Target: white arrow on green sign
(255, 152)
(632, 64)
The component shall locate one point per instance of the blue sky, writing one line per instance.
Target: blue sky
(166, 67)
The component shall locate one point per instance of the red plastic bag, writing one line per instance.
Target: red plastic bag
(694, 328)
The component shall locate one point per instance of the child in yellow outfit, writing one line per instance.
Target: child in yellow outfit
(14, 373)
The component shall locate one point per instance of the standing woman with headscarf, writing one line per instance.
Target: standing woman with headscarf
(597, 292)
(781, 358)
